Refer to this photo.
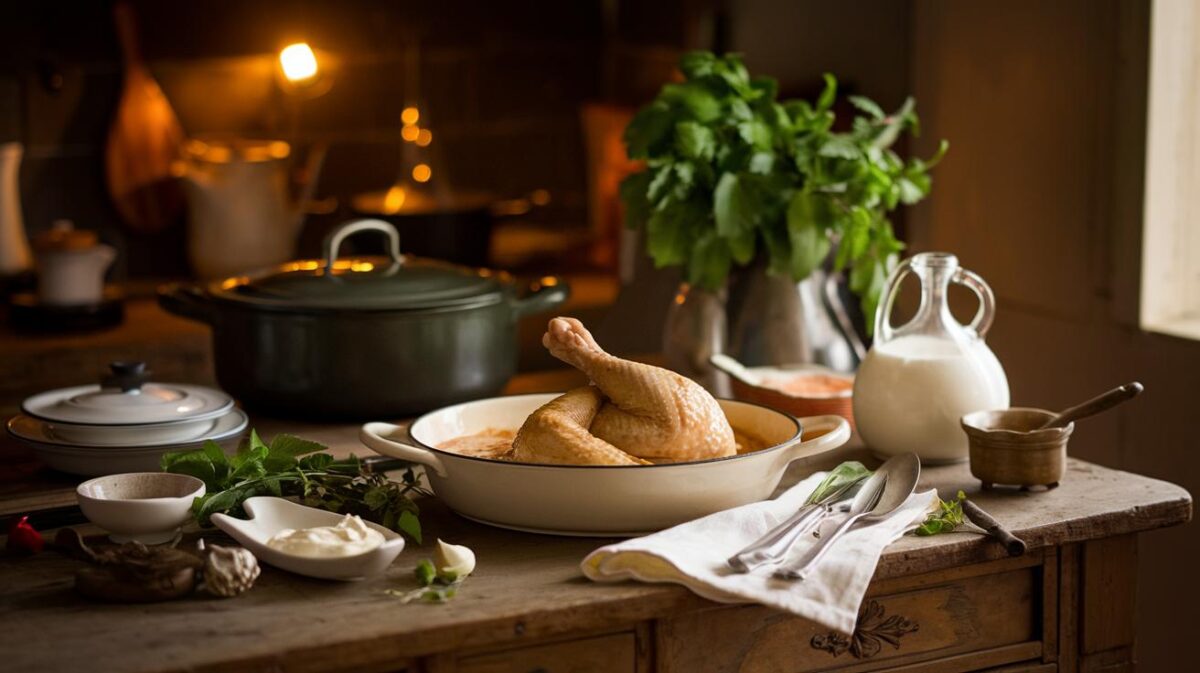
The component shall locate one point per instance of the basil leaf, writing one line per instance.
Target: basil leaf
(633, 192)
(647, 131)
(709, 261)
(695, 141)
(807, 216)
(410, 525)
(849, 472)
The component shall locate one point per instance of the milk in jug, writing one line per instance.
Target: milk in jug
(919, 379)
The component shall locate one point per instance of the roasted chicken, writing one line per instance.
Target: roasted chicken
(634, 413)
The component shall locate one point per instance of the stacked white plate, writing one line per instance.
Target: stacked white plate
(124, 424)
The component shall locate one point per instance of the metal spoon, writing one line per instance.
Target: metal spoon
(1094, 406)
(776, 543)
(879, 496)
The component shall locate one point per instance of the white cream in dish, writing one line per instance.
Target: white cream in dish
(349, 537)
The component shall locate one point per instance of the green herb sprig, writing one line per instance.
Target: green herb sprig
(849, 472)
(948, 517)
(294, 467)
(729, 168)
(434, 587)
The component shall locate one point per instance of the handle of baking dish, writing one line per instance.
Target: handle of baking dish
(380, 437)
(831, 432)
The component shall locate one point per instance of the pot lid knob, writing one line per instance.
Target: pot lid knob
(126, 376)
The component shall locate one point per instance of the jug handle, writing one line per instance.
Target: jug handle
(883, 314)
(982, 321)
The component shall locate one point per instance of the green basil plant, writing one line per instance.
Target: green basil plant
(730, 167)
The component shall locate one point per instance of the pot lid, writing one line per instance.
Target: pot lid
(398, 283)
(125, 398)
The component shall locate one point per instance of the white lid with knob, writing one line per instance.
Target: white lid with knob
(124, 397)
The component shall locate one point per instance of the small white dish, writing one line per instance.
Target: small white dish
(145, 506)
(270, 515)
(35, 430)
(132, 435)
(93, 461)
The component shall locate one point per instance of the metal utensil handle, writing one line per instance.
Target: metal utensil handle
(777, 541)
(883, 314)
(982, 321)
(814, 556)
(334, 241)
(1012, 543)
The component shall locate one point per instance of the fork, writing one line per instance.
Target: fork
(776, 543)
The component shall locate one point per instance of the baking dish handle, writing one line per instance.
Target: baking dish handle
(379, 437)
(835, 431)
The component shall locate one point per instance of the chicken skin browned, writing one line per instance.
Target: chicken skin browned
(640, 410)
(557, 434)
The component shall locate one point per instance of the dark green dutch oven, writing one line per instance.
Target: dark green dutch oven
(365, 338)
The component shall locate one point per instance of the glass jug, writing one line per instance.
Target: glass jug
(920, 378)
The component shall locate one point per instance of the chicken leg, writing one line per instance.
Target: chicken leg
(652, 413)
(557, 434)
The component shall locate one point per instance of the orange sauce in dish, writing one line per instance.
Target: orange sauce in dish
(496, 444)
(810, 385)
(492, 443)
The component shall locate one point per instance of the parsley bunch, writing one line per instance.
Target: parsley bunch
(290, 466)
(729, 167)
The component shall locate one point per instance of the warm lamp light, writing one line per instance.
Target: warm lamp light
(422, 173)
(410, 116)
(298, 61)
(410, 133)
(394, 200)
(424, 137)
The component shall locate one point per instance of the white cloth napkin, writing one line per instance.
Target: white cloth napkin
(693, 554)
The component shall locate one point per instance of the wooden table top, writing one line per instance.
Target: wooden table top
(526, 586)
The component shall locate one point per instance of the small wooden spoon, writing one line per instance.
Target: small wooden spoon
(1094, 406)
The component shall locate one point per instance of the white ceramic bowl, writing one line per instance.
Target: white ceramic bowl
(145, 506)
(618, 500)
(270, 515)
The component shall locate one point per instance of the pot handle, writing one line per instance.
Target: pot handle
(188, 301)
(836, 431)
(334, 240)
(378, 437)
(546, 293)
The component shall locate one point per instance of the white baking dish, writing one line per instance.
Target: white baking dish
(589, 500)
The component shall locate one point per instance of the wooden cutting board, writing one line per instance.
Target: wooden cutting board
(143, 142)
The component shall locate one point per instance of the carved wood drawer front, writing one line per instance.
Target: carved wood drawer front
(605, 654)
(927, 621)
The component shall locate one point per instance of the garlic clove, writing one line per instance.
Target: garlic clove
(453, 561)
(229, 571)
